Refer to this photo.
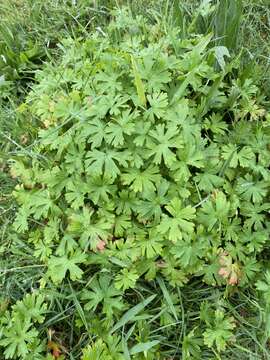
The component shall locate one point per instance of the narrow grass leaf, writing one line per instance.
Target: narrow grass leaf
(131, 314)
(143, 347)
(130, 331)
(227, 22)
(126, 351)
(138, 82)
(78, 307)
(167, 297)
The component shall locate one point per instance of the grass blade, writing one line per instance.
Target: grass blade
(138, 82)
(227, 22)
(78, 307)
(143, 347)
(131, 314)
(167, 297)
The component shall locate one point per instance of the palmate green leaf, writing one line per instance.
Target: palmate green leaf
(244, 157)
(43, 247)
(96, 351)
(254, 240)
(59, 266)
(175, 275)
(208, 181)
(99, 350)
(55, 140)
(31, 307)
(99, 162)
(74, 159)
(192, 155)
(36, 350)
(179, 222)
(41, 205)
(212, 156)
(67, 245)
(163, 143)
(148, 268)
(236, 251)
(191, 346)
(126, 279)
(189, 156)
(233, 229)
(158, 104)
(120, 127)
(98, 110)
(124, 253)
(55, 179)
(18, 170)
(141, 133)
(100, 188)
(180, 173)
(51, 230)
(106, 162)
(216, 124)
(126, 202)
(249, 189)
(153, 202)
(65, 107)
(220, 332)
(122, 224)
(107, 82)
(178, 113)
(109, 103)
(254, 215)
(17, 339)
(88, 228)
(94, 132)
(75, 193)
(142, 180)
(38, 203)
(20, 223)
(102, 291)
(210, 271)
(42, 251)
(154, 68)
(215, 211)
(188, 253)
(152, 245)
(251, 269)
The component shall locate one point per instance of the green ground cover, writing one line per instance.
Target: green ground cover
(134, 184)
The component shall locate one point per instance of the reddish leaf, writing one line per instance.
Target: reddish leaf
(101, 245)
(54, 348)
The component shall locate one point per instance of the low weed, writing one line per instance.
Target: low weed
(134, 180)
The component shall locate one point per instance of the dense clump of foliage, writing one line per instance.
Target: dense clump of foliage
(150, 171)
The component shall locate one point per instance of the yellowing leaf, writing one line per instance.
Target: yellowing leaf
(138, 82)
